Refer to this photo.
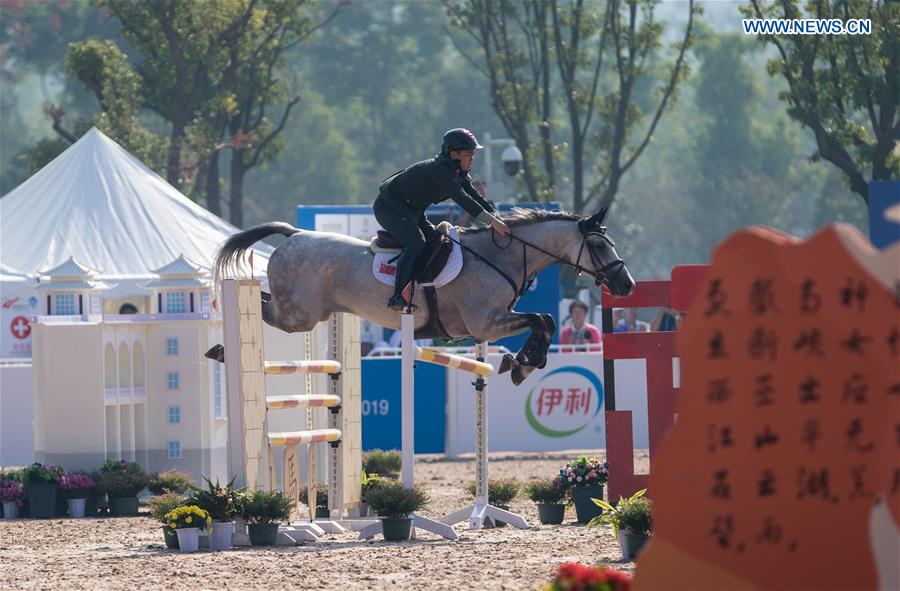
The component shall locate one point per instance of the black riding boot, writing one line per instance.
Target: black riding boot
(405, 267)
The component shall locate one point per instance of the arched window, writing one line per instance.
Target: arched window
(127, 308)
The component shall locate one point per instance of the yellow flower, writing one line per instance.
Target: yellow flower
(188, 519)
(173, 525)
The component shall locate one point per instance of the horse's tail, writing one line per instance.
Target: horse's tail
(228, 259)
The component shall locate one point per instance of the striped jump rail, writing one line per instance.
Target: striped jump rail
(289, 438)
(289, 367)
(454, 361)
(303, 401)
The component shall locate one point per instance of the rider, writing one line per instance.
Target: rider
(404, 196)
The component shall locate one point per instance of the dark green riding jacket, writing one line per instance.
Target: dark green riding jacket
(432, 181)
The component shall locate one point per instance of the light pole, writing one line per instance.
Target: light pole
(511, 158)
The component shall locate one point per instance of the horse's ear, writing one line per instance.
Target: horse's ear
(594, 222)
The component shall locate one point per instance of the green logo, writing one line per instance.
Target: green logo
(546, 431)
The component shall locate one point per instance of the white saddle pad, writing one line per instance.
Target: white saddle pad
(385, 271)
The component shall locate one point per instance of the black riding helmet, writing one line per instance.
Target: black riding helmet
(459, 138)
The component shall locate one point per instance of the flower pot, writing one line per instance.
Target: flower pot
(220, 535)
(631, 543)
(62, 505)
(42, 500)
(90, 506)
(396, 530)
(10, 510)
(551, 514)
(123, 507)
(363, 509)
(171, 537)
(263, 534)
(586, 509)
(322, 513)
(188, 538)
(76, 508)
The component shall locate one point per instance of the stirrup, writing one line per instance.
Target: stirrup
(399, 304)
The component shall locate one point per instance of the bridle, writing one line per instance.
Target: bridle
(600, 273)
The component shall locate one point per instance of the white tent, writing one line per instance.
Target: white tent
(101, 205)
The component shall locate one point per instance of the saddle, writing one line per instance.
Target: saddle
(438, 248)
(437, 251)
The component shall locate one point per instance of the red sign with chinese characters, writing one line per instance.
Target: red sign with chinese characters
(782, 469)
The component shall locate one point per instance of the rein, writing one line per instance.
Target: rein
(600, 272)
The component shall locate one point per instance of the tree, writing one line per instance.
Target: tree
(844, 88)
(513, 38)
(258, 58)
(606, 56)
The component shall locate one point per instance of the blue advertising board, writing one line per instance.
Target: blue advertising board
(381, 405)
(884, 230)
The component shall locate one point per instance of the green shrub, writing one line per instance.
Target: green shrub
(261, 507)
(369, 483)
(174, 481)
(547, 492)
(393, 501)
(321, 495)
(38, 473)
(383, 463)
(634, 513)
(163, 504)
(500, 492)
(121, 479)
(221, 502)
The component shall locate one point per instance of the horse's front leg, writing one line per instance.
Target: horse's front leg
(532, 354)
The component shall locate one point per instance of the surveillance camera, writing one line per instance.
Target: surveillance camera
(512, 160)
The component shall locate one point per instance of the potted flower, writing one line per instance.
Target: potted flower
(187, 522)
(12, 493)
(500, 494)
(76, 488)
(263, 511)
(573, 575)
(221, 502)
(394, 504)
(174, 481)
(632, 522)
(369, 482)
(160, 506)
(585, 478)
(121, 481)
(383, 463)
(321, 499)
(41, 484)
(549, 497)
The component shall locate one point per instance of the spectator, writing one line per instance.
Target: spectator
(632, 324)
(580, 332)
(618, 320)
(665, 321)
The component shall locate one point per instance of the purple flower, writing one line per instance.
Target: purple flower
(77, 482)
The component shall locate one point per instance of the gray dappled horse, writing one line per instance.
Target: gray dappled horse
(313, 274)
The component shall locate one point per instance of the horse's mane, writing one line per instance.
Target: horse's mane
(525, 217)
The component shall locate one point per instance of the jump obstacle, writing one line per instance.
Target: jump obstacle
(251, 457)
(481, 510)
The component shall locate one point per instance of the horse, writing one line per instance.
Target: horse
(314, 274)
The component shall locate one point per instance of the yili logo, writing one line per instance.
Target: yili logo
(564, 402)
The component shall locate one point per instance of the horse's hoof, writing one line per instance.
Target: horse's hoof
(518, 376)
(216, 353)
(506, 363)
